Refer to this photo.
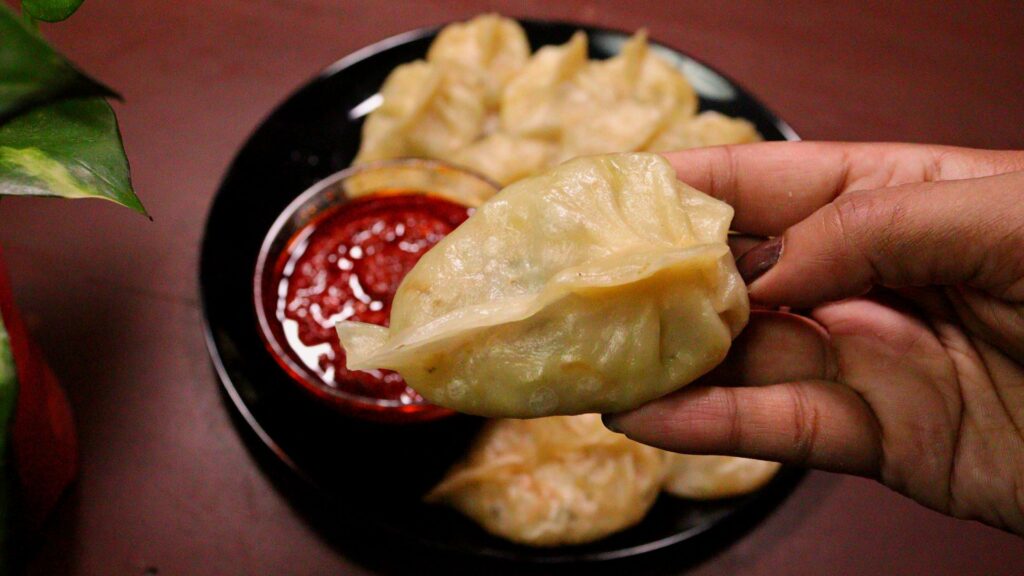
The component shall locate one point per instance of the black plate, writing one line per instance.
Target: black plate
(359, 475)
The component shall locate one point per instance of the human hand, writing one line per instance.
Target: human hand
(907, 362)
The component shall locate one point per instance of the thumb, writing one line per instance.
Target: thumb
(967, 232)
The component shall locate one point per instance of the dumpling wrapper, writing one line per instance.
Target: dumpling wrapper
(620, 104)
(595, 287)
(493, 47)
(701, 477)
(505, 158)
(532, 104)
(427, 111)
(596, 107)
(553, 481)
(706, 129)
(481, 101)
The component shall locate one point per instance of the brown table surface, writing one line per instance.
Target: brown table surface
(167, 485)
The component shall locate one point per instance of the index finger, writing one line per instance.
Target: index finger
(773, 185)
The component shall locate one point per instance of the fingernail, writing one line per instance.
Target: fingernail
(759, 259)
(609, 422)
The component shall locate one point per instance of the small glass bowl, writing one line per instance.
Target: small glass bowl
(410, 175)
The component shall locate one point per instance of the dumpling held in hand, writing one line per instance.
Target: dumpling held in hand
(594, 287)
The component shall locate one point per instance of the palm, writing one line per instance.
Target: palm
(934, 388)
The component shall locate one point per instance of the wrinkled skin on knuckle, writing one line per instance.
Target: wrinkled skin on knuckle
(894, 234)
(730, 415)
(851, 220)
(806, 420)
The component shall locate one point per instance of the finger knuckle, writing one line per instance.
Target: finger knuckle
(733, 438)
(852, 213)
(856, 225)
(724, 173)
(806, 423)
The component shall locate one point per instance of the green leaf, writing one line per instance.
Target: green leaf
(31, 72)
(50, 10)
(69, 148)
(8, 398)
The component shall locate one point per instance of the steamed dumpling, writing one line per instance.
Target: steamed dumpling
(506, 158)
(533, 102)
(554, 481)
(618, 105)
(481, 101)
(700, 477)
(706, 129)
(595, 107)
(624, 126)
(595, 287)
(427, 111)
(490, 46)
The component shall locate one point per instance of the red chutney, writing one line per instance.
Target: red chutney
(346, 265)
